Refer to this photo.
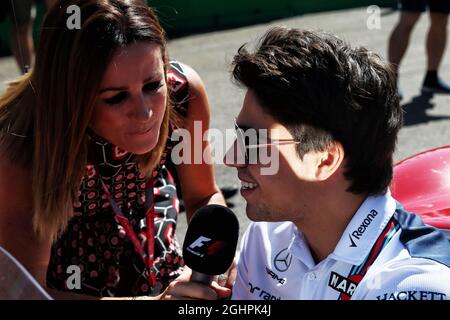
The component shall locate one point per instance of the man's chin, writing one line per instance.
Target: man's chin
(254, 213)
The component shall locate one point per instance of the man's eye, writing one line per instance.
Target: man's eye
(152, 86)
(118, 98)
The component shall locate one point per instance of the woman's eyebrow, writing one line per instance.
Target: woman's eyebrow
(148, 79)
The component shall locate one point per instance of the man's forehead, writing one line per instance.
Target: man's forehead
(253, 116)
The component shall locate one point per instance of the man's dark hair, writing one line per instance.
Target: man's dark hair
(322, 90)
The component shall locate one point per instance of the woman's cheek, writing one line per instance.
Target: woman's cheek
(161, 107)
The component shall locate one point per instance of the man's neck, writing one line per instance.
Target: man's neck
(325, 224)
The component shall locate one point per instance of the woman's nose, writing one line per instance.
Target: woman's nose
(141, 110)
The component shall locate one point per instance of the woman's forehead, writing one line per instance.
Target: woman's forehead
(139, 61)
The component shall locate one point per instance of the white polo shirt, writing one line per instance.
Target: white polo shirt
(384, 253)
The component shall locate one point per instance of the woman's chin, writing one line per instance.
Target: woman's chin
(142, 149)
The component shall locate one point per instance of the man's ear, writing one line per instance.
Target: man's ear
(329, 161)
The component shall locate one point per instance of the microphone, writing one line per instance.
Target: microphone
(210, 242)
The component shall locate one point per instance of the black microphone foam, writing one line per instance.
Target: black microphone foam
(211, 239)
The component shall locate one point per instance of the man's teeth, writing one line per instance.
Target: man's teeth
(248, 185)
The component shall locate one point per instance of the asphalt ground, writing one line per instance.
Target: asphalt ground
(427, 119)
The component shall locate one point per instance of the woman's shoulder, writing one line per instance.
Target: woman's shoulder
(182, 76)
(184, 81)
(186, 85)
(177, 77)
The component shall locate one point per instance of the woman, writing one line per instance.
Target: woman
(80, 159)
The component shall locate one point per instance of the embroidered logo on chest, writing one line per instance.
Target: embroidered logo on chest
(342, 284)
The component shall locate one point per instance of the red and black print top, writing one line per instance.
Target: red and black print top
(96, 243)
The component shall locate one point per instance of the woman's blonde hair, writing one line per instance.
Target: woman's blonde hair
(45, 114)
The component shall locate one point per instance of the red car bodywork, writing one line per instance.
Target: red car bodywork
(422, 184)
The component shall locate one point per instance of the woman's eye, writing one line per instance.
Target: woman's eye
(152, 86)
(118, 98)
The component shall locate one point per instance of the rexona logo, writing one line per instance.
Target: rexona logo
(357, 234)
(342, 284)
(204, 245)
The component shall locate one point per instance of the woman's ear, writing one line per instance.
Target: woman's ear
(329, 161)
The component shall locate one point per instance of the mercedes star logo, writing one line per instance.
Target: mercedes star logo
(283, 260)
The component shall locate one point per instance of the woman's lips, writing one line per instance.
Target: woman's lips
(142, 132)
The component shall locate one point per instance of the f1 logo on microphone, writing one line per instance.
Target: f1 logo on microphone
(212, 248)
(199, 242)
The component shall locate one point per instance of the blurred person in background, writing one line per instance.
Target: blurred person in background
(436, 41)
(22, 18)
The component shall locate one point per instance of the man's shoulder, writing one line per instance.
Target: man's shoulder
(409, 278)
(414, 266)
(422, 240)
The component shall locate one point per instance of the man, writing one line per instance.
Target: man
(326, 226)
(435, 42)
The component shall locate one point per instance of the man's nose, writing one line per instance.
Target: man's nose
(234, 157)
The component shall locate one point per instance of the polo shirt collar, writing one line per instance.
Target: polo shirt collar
(364, 229)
